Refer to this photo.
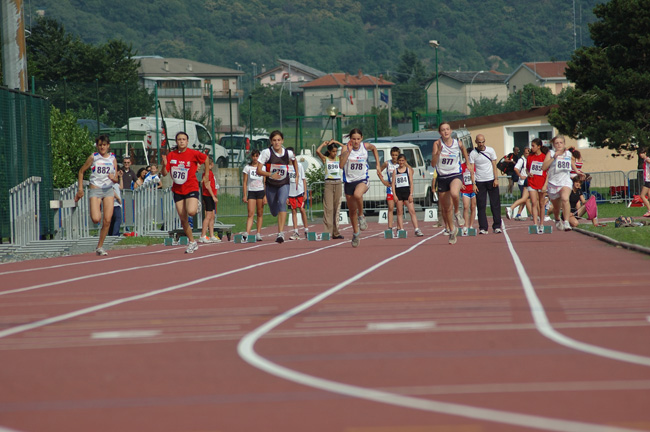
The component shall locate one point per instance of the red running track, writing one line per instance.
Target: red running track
(497, 333)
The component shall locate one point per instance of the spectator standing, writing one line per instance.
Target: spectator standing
(522, 183)
(511, 161)
(484, 159)
(210, 200)
(254, 195)
(333, 189)
(129, 176)
(153, 175)
(645, 190)
(116, 219)
(297, 197)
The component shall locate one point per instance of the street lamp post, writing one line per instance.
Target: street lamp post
(254, 75)
(281, 88)
(435, 44)
(469, 96)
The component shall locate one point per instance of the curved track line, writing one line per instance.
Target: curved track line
(546, 329)
(246, 350)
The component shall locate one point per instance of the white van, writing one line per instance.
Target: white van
(239, 146)
(375, 198)
(199, 137)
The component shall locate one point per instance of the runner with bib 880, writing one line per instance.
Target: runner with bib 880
(559, 162)
(446, 159)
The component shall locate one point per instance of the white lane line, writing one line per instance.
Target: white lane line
(94, 261)
(390, 326)
(546, 329)
(125, 334)
(55, 319)
(120, 270)
(246, 350)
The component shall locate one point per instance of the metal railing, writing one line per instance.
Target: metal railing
(71, 221)
(24, 209)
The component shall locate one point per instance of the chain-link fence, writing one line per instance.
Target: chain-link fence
(25, 151)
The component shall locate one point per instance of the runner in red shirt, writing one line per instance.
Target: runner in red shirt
(182, 164)
(537, 182)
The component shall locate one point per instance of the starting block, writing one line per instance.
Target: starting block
(401, 234)
(471, 232)
(388, 234)
(170, 241)
(242, 238)
(183, 240)
(312, 236)
(532, 229)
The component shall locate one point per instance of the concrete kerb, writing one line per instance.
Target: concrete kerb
(613, 242)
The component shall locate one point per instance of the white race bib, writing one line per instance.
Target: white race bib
(563, 164)
(401, 180)
(333, 170)
(467, 177)
(536, 168)
(357, 167)
(179, 174)
(448, 161)
(281, 170)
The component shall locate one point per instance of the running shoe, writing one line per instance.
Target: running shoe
(295, 236)
(460, 220)
(559, 225)
(306, 234)
(465, 232)
(280, 238)
(445, 232)
(567, 226)
(204, 239)
(363, 225)
(100, 251)
(355, 240)
(258, 237)
(191, 247)
(483, 232)
(497, 231)
(540, 229)
(509, 213)
(418, 233)
(452, 237)
(215, 239)
(547, 218)
(521, 218)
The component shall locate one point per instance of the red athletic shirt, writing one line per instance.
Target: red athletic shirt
(182, 167)
(536, 180)
(213, 186)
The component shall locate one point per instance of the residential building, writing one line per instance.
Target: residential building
(543, 74)
(350, 94)
(458, 89)
(290, 72)
(177, 78)
(506, 131)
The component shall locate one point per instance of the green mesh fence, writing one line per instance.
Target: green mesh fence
(25, 151)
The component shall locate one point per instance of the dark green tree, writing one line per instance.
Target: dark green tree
(485, 107)
(75, 75)
(531, 96)
(408, 93)
(266, 106)
(609, 104)
(71, 146)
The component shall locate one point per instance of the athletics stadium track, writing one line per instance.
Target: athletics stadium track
(498, 333)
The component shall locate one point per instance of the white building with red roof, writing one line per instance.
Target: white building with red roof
(542, 74)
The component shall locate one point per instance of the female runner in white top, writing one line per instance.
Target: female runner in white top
(559, 162)
(102, 177)
(354, 162)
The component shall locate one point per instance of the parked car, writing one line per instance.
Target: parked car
(199, 137)
(239, 146)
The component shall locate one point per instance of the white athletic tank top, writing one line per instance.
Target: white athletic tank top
(356, 167)
(449, 162)
(100, 169)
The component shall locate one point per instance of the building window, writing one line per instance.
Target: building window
(272, 76)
